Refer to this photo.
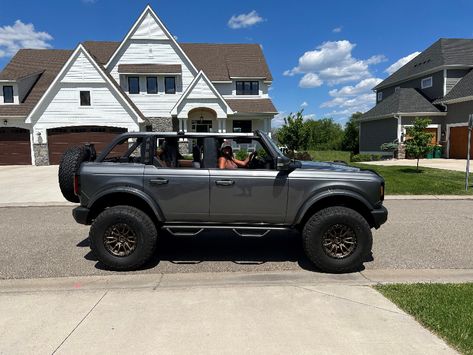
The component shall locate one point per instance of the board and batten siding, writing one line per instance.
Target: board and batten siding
(375, 133)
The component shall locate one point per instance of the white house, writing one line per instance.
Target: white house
(52, 99)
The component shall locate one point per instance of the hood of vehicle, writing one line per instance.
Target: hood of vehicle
(319, 165)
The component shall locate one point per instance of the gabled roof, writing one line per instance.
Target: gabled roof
(48, 62)
(445, 52)
(404, 102)
(222, 62)
(101, 50)
(462, 91)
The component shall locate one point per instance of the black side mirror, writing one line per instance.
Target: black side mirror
(284, 163)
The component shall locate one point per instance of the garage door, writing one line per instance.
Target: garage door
(59, 139)
(15, 146)
(458, 143)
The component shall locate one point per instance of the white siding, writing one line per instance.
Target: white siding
(148, 28)
(154, 52)
(226, 89)
(201, 91)
(229, 89)
(82, 71)
(189, 104)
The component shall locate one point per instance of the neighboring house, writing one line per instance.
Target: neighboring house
(51, 99)
(437, 84)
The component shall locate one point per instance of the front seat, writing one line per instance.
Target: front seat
(210, 160)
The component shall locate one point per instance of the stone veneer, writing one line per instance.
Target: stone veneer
(163, 124)
(41, 154)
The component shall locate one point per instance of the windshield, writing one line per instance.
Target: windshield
(273, 145)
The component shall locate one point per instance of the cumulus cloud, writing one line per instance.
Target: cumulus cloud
(332, 63)
(278, 120)
(401, 62)
(337, 29)
(304, 104)
(21, 35)
(244, 20)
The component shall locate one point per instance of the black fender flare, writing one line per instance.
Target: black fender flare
(158, 213)
(320, 195)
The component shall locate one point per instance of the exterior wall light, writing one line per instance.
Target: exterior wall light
(5, 122)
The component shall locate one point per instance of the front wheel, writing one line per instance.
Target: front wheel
(337, 239)
(123, 237)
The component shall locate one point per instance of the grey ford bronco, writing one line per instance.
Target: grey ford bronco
(140, 185)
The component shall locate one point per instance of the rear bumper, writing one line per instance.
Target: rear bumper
(81, 215)
(380, 215)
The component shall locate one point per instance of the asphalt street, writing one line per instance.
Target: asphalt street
(46, 242)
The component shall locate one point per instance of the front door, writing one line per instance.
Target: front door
(181, 193)
(246, 195)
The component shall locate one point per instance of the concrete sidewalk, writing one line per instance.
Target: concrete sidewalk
(445, 164)
(225, 313)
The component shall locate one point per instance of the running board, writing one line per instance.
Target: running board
(241, 231)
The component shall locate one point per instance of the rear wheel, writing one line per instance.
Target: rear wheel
(337, 239)
(123, 237)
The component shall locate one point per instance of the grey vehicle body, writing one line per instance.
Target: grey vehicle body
(282, 196)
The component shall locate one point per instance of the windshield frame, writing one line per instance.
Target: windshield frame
(271, 144)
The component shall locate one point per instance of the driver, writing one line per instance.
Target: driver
(228, 161)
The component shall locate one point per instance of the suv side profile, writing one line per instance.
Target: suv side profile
(129, 194)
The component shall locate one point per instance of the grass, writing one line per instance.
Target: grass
(404, 180)
(446, 309)
(330, 155)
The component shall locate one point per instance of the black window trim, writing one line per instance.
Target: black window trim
(80, 98)
(254, 87)
(147, 84)
(134, 77)
(165, 86)
(12, 94)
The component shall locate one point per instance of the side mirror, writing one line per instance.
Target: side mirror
(284, 164)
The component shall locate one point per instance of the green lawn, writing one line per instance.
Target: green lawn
(404, 180)
(330, 155)
(446, 309)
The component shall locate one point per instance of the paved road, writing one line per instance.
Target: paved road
(46, 242)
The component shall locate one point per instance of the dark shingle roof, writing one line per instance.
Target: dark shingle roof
(444, 52)
(464, 88)
(48, 62)
(150, 68)
(404, 100)
(101, 50)
(252, 105)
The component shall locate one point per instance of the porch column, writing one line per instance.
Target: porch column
(224, 125)
(181, 124)
(185, 124)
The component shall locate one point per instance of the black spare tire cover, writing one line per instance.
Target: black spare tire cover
(69, 165)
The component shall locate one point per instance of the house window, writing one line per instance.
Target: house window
(85, 98)
(426, 83)
(133, 85)
(247, 87)
(8, 94)
(242, 126)
(380, 96)
(151, 85)
(170, 85)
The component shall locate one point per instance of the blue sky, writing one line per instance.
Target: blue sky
(324, 55)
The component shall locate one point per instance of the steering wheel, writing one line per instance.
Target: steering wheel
(254, 161)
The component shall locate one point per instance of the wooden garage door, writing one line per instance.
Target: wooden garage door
(59, 139)
(458, 143)
(15, 146)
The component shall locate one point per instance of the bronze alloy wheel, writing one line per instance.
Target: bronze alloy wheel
(339, 241)
(120, 240)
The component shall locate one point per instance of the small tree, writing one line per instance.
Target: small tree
(292, 133)
(419, 141)
(350, 141)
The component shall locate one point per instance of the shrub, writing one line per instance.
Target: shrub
(304, 155)
(365, 157)
(242, 154)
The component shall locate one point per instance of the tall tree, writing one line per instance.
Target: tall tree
(292, 133)
(323, 134)
(419, 140)
(351, 136)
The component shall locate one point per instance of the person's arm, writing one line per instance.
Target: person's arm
(243, 163)
(221, 163)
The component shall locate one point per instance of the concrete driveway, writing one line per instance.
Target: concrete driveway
(446, 164)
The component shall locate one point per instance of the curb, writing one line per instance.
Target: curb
(38, 204)
(428, 197)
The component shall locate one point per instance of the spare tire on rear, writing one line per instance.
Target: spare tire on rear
(69, 165)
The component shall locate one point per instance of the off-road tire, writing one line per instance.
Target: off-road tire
(69, 165)
(138, 221)
(313, 239)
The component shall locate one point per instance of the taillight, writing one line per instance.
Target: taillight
(76, 185)
(381, 192)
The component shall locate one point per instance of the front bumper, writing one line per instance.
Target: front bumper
(81, 215)
(380, 215)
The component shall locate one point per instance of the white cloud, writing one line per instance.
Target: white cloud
(337, 29)
(310, 80)
(332, 63)
(278, 120)
(304, 104)
(363, 86)
(404, 60)
(310, 116)
(21, 35)
(244, 20)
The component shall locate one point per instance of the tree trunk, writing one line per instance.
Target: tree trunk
(417, 164)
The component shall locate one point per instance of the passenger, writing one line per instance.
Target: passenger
(228, 161)
(159, 157)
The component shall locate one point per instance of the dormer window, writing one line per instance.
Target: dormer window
(8, 94)
(133, 85)
(247, 87)
(426, 83)
(380, 95)
(170, 85)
